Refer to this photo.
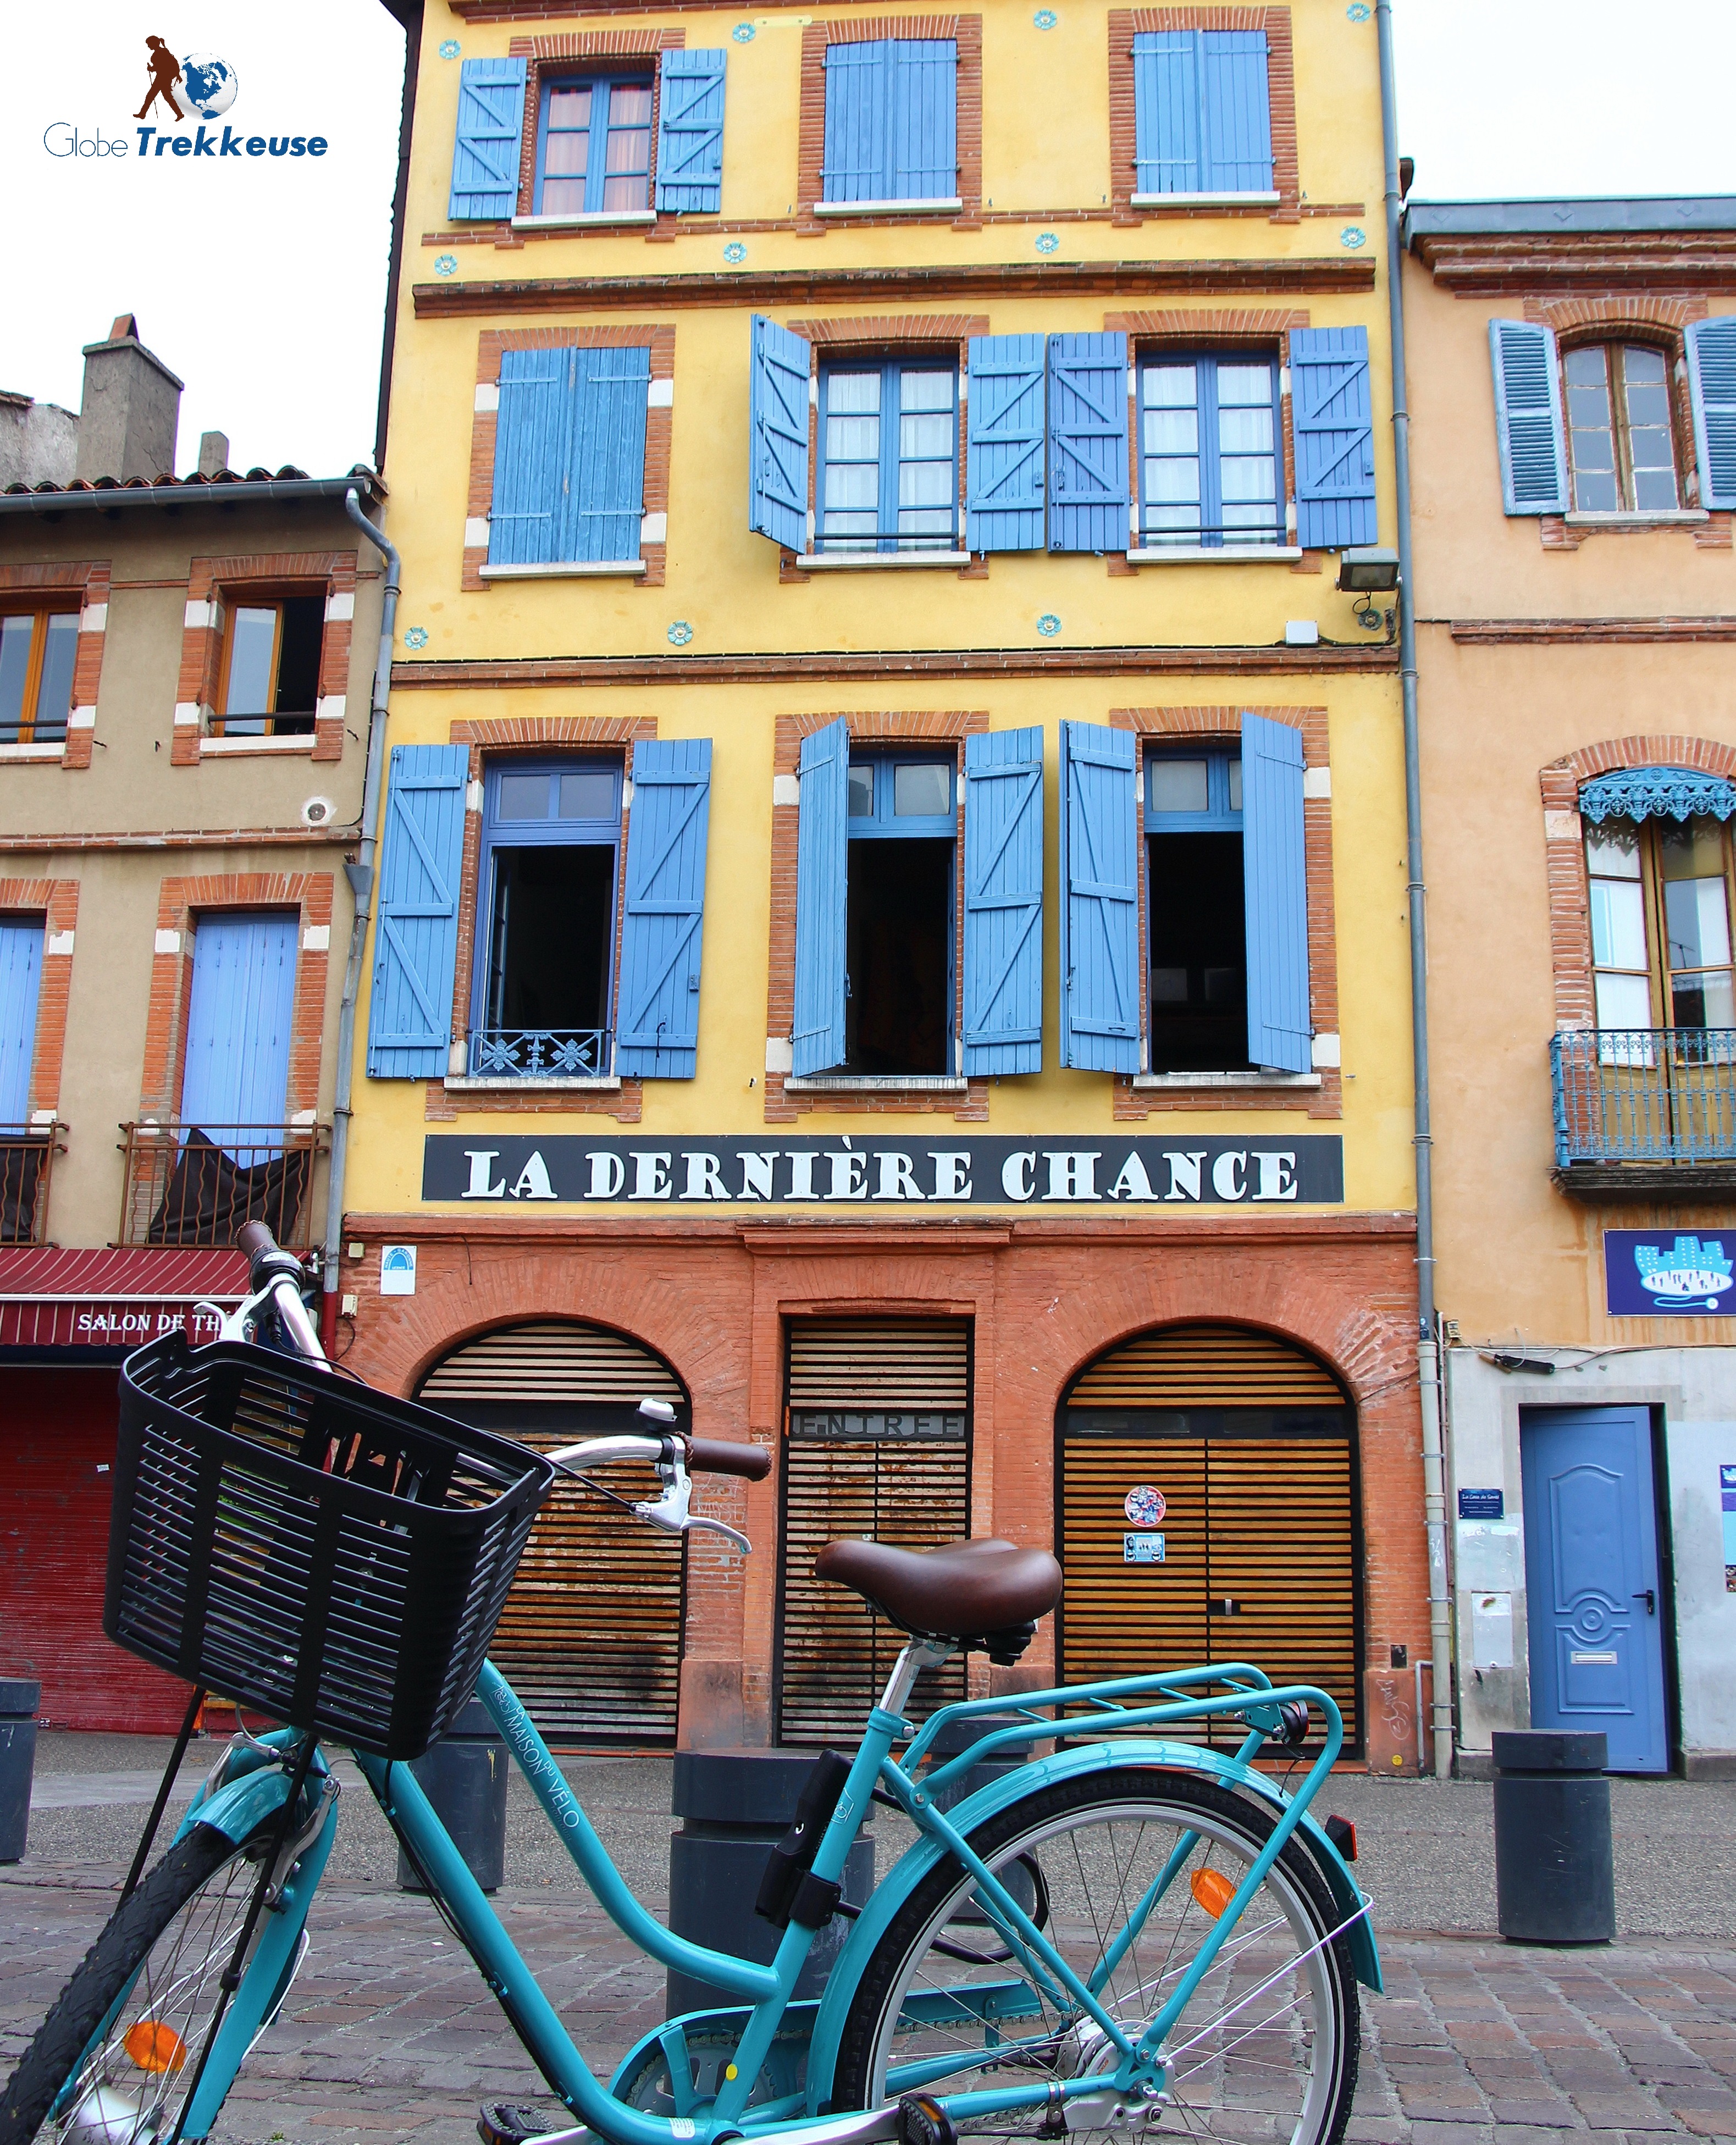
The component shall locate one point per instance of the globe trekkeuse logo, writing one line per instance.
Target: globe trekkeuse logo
(199, 86)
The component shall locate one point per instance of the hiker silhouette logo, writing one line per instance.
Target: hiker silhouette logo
(204, 82)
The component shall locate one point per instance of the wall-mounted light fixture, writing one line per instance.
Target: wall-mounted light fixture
(1367, 572)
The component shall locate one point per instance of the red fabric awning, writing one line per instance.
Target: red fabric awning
(118, 1297)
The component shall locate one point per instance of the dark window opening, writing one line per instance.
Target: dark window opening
(272, 671)
(554, 913)
(899, 939)
(1199, 962)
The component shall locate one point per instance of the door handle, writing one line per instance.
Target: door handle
(1650, 1598)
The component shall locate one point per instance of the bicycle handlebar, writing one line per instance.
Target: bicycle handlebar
(711, 1456)
(270, 1266)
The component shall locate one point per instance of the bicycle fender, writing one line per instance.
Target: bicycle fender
(255, 1788)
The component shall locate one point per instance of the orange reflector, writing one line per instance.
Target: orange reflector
(155, 2047)
(1211, 1893)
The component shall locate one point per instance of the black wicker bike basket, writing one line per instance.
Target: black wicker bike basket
(323, 1553)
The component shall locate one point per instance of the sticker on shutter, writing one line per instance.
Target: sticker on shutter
(1142, 1549)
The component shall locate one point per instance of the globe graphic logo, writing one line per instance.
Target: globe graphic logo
(209, 84)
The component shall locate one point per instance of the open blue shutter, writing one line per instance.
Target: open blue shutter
(1528, 426)
(777, 432)
(823, 862)
(924, 158)
(415, 939)
(1003, 501)
(1099, 919)
(858, 104)
(1003, 903)
(533, 454)
(1711, 387)
(1167, 113)
(1334, 427)
(690, 130)
(657, 1004)
(1275, 881)
(1088, 443)
(1238, 152)
(605, 493)
(239, 1010)
(491, 138)
(21, 972)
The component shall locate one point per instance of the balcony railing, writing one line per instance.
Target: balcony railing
(27, 1163)
(1644, 1095)
(538, 1053)
(196, 1184)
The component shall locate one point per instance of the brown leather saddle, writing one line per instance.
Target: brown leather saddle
(983, 1596)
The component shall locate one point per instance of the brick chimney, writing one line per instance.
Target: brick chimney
(131, 408)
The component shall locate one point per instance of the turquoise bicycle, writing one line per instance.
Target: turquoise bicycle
(1124, 1933)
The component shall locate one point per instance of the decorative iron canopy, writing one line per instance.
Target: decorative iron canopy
(1657, 792)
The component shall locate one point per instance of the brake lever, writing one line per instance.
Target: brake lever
(670, 1512)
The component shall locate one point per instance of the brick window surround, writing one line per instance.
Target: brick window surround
(86, 580)
(593, 52)
(497, 738)
(214, 587)
(1563, 834)
(1222, 726)
(966, 31)
(1125, 24)
(180, 901)
(56, 900)
(659, 431)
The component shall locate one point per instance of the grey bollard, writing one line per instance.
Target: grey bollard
(18, 1696)
(464, 1777)
(735, 1807)
(1554, 1870)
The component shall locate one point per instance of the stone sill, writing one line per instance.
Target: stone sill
(1225, 555)
(1205, 200)
(586, 220)
(38, 752)
(1671, 517)
(935, 206)
(566, 569)
(878, 562)
(455, 1084)
(876, 1083)
(209, 746)
(1180, 1082)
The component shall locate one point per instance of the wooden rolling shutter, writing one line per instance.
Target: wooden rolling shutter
(555, 1360)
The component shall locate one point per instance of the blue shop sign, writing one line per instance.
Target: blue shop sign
(1651, 1273)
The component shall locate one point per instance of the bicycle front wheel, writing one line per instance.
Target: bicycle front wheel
(1265, 2052)
(119, 2050)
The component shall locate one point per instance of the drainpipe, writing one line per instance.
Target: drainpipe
(361, 876)
(1428, 1344)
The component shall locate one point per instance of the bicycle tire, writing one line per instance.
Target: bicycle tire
(937, 1926)
(116, 1961)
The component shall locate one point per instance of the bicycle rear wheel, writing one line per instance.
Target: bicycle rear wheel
(1265, 2051)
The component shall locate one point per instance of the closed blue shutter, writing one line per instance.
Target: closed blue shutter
(822, 859)
(416, 940)
(1528, 427)
(1003, 903)
(924, 159)
(658, 1001)
(1003, 502)
(21, 971)
(239, 1011)
(1167, 113)
(858, 105)
(1711, 385)
(606, 474)
(1099, 919)
(1238, 129)
(1088, 443)
(1274, 880)
(491, 137)
(690, 131)
(533, 452)
(1334, 438)
(778, 431)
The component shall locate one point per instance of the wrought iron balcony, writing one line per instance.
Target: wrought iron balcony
(538, 1053)
(196, 1184)
(27, 1163)
(1638, 1107)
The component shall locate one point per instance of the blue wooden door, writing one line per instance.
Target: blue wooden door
(21, 970)
(238, 1027)
(1593, 1604)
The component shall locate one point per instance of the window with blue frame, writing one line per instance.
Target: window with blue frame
(593, 145)
(544, 971)
(888, 478)
(900, 920)
(1197, 926)
(1211, 468)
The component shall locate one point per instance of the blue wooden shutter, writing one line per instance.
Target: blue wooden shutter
(20, 973)
(491, 138)
(1004, 475)
(858, 102)
(1167, 113)
(1088, 443)
(1274, 880)
(1099, 919)
(777, 432)
(1003, 903)
(823, 864)
(657, 1002)
(236, 1071)
(1528, 426)
(924, 155)
(690, 130)
(415, 939)
(605, 475)
(532, 456)
(1711, 387)
(1334, 437)
(1237, 103)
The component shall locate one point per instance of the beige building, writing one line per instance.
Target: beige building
(1573, 384)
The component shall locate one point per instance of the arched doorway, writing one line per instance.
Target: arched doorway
(590, 1637)
(1209, 1510)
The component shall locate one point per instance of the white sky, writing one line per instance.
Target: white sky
(262, 282)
